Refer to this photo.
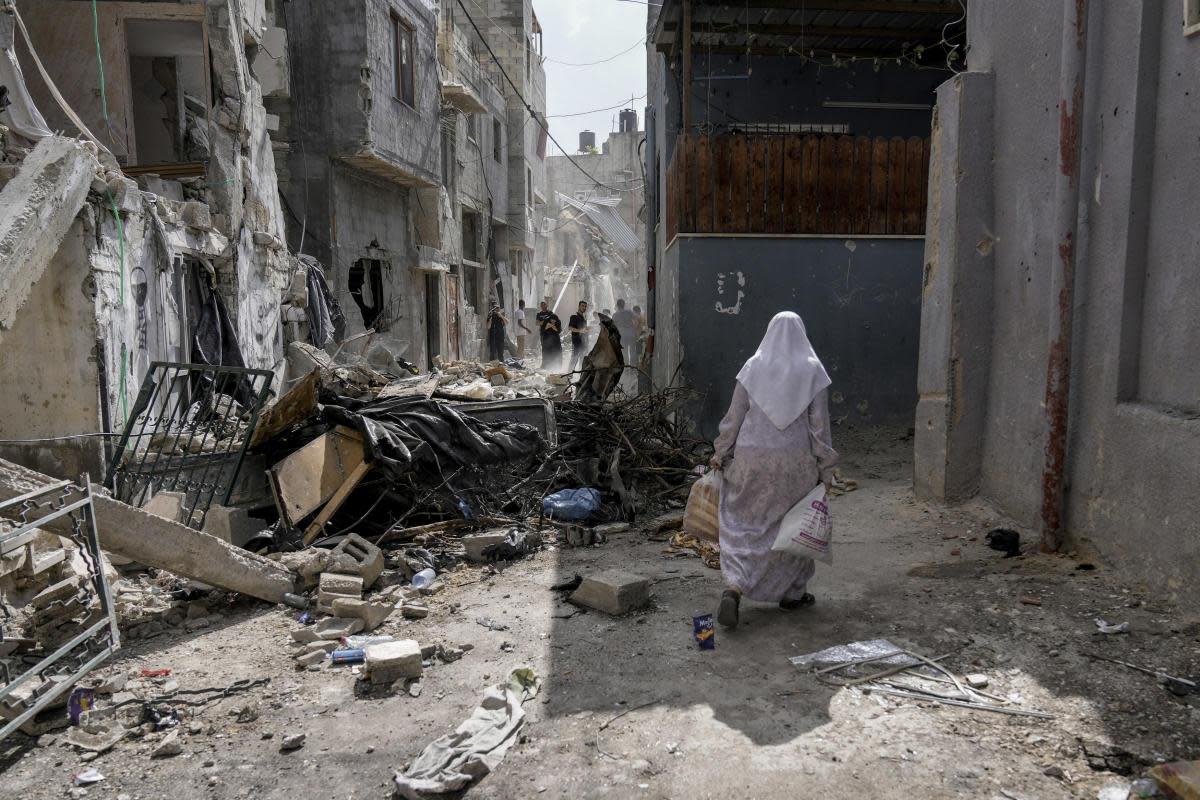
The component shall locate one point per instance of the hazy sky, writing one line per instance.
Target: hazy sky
(582, 31)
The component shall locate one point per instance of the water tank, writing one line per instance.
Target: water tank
(587, 141)
(629, 122)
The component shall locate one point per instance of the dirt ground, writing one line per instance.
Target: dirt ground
(630, 708)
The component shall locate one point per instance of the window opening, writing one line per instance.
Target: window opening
(366, 287)
(403, 57)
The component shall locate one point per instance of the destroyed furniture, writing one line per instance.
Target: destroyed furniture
(81, 630)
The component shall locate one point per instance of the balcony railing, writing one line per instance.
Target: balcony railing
(797, 184)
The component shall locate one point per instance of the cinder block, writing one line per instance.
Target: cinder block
(371, 614)
(305, 635)
(333, 629)
(477, 543)
(388, 662)
(613, 592)
(344, 585)
(168, 505)
(355, 554)
(233, 525)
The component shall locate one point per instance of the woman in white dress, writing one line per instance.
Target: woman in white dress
(774, 446)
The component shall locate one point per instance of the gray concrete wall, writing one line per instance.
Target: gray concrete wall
(859, 298)
(1134, 439)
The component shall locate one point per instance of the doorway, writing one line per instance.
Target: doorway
(433, 318)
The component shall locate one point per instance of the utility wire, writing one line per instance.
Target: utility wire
(525, 102)
(638, 43)
(622, 104)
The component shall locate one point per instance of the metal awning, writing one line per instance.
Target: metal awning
(879, 28)
(607, 219)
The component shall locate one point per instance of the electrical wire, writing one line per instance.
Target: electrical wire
(622, 104)
(525, 102)
(638, 43)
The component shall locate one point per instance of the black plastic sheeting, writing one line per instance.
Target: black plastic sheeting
(406, 433)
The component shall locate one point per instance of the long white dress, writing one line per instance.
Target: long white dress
(766, 472)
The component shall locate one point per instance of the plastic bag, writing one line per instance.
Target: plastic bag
(701, 518)
(571, 504)
(807, 528)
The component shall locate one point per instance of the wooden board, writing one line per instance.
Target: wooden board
(810, 186)
(879, 186)
(828, 186)
(860, 207)
(845, 183)
(297, 405)
(335, 502)
(895, 212)
(739, 184)
(914, 185)
(704, 179)
(773, 188)
(722, 207)
(305, 480)
(756, 196)
(793, 183)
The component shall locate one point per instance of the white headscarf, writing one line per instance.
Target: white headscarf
(784, 375)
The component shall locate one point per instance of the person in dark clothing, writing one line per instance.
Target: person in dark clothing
(550, 329)
(579, 327)
(497, 324)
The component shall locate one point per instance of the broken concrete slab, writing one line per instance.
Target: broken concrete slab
(475, 544)
(37, 208)
(233, 525)
(333, 629)
(161, 543)
(614, 592)
(371, 614)
(168, 505)
(388, 662)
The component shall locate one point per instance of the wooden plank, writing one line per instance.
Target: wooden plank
(673, 200)
(914, 184)
(305, 480)
(860, 210)
(895, 208)
(685, 183)
(811, 185)
(335, 502)
(845, 183)
(827, 186)
(925, 145)
(704, 184)
(739, 184)
(756, 195)
(879, 186)
(297, 405)
(722, 204)
(793, 183)
(774, 188)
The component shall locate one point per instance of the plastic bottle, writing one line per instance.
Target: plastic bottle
(423, 578)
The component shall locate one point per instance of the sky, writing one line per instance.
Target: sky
(582, 31)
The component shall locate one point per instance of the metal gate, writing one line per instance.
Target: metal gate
(67, 508)
(188, 433)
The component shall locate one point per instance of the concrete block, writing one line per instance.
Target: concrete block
(613, 592)
(124, 194)
(345, 585)
(196, 215)
(37, 208)
(305, 635)
(371, 614)
(477, 543)
(388, 662)
(168, 505)
(366, 558)
(334, 629)
(59, 591)
(323, 646)
(308, 659)
(233, 525)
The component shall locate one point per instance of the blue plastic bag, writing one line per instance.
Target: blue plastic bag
(572, 505)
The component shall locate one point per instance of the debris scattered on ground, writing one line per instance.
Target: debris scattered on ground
(614, 592)
(1005, 540)
(709, 553)
(1105, 627)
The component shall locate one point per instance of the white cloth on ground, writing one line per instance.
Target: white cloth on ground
(457, 760)
(767, 471)
(784, 375)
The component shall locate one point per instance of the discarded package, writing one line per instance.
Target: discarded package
(1105, 627)
(704, 632)
(807, 528)
(458, 760)
(82, 700)
(1181, 778)
(880, 652)
(701, 518)
(571, 505)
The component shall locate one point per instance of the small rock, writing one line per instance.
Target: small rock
(1054, 772)
(414, 689)
(169, 746)
(290, 743)
(977, 680)
(197, 611)
(247, 713)
(414, 610)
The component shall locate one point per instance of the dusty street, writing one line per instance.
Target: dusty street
(630, 708)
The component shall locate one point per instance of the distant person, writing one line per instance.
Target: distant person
(774, 447)
(623, 319)
(578, 326)
(522, 329)
(497, 326)
(550, 331)
(639, 335)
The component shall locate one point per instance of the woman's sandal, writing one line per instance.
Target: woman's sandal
(789, 604)
(727, 613)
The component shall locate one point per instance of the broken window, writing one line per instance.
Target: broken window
(497, 139)
(403, 58)
(168, 90)
(470, 235)
(366, 287)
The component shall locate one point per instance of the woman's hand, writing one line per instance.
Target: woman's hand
(714, 463)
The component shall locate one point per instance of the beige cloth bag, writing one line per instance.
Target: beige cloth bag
(701, 517)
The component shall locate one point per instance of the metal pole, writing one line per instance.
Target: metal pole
(686, 33)
(1062, 269)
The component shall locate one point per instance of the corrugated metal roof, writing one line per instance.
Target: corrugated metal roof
(607, 220)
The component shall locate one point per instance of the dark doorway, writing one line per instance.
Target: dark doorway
(366, 287)
(433, 317)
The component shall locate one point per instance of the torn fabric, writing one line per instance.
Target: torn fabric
(457, 760)
(22, 117)
(325, 319)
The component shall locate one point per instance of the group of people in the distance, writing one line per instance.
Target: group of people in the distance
(630, 323)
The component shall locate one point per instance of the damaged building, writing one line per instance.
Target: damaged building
(154, 235)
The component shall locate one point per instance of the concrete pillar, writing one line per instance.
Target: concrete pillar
(956, 302)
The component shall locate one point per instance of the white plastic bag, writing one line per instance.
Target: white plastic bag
(807, 528)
